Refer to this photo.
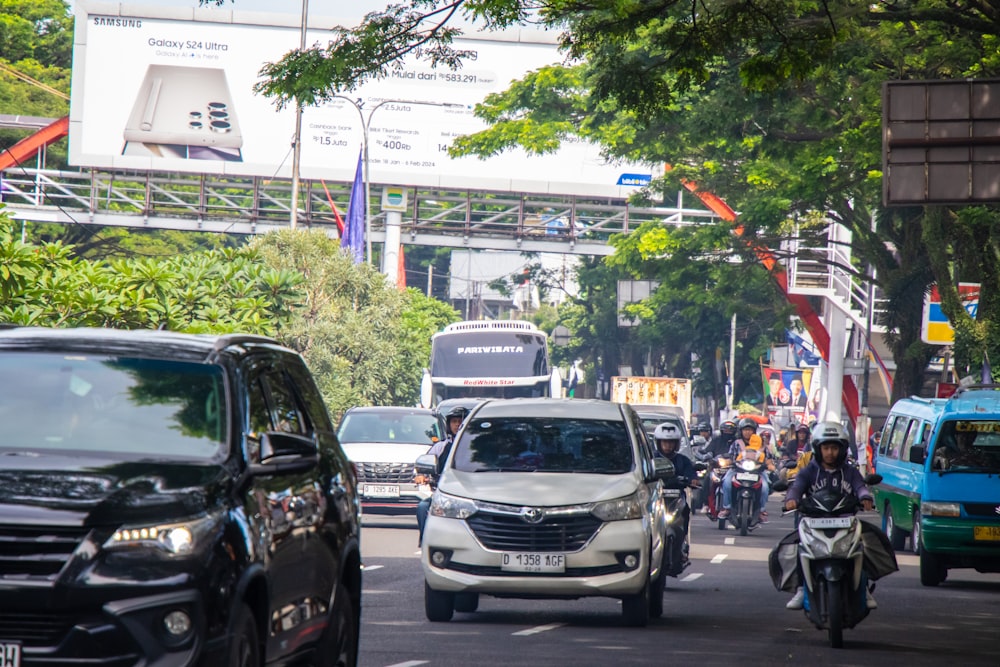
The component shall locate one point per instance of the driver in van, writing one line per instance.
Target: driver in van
(962, 453)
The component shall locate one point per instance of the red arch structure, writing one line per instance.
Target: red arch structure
(820, 336)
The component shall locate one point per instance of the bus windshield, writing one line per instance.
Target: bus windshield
(489, 354)
(967, 445)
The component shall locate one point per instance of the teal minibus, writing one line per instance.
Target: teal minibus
(940, 465)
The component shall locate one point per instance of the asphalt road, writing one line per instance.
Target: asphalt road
(722, 611)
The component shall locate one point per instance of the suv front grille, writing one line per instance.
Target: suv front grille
(504, 532)
(37, 552)
(385, 473)
(34, 629)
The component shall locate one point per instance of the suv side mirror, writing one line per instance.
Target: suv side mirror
(285, 453)
(918, 454)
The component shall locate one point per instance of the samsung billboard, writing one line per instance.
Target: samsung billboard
(170, 89)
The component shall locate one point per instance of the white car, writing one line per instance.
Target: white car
(547, 498)
(384, 442)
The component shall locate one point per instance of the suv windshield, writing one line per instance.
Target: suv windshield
(78, 402)
(540, 444)
(371, 426)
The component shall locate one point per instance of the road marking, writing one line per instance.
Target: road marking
(538, 628)
(718, 559)
(369, 568)
(409, 663)
(730, 540)
(692, 576)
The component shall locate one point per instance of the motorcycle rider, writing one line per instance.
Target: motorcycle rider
(829, 467)
(717, 446)
(743, 449)
(668, 442)
(454, 420)
(792, 454)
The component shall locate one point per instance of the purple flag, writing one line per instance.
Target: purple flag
(354, 229)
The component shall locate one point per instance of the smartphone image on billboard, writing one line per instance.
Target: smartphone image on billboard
(184, 112)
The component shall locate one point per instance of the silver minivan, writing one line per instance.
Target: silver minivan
(547, 497)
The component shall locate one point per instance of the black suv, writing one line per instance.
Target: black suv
(171, 499)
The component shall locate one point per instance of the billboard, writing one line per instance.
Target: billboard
(935, 328)
(168, 89)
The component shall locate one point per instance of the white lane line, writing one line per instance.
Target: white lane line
(409, 663)
(369, 568)
(538, 628)
(730, 540)
(693, 576)
(718, 559)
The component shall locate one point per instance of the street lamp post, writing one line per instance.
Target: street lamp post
(358, 105)
(297, 141)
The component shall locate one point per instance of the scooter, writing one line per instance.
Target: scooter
(831, 555)
(747, 487)
(719, 467)
(678, 547)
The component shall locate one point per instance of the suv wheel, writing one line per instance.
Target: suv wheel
(339, 645)
(244, 648)
(635, 608)
(439, 606)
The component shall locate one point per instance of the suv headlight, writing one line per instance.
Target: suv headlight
(174, 539)
(619, 509)
(451, 507)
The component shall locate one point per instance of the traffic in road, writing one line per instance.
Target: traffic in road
(722, 610)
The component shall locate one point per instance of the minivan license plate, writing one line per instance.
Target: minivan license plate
(529, 562)
(989, 533)
(10, 655)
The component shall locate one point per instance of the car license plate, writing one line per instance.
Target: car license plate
(380, 491)
(990, 533)
(529, 562)
(747, 476)
(10, 655)
(671, 493)
(830, 522)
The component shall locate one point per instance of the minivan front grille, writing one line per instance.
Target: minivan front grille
(983, 509)
(504, 532)
(385, 473)
(37, 552)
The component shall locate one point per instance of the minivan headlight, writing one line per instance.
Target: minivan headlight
(619, 509)
(940, 509)
(451, 507)
(174, 539)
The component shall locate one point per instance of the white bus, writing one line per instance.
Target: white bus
(489, 359)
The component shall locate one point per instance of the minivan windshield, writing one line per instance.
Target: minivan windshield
(968, 445)
(543, 444)
(123, 406)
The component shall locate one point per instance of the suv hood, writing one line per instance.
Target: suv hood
(540, 489)
(383, 452)
(43, 488)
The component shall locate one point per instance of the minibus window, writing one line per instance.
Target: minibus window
(883, 449)
(896, 439)
(914, 436)
(967, 445)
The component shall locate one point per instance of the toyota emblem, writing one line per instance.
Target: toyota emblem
(532, 514)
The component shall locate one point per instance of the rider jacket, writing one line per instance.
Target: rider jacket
(815, 477)
(682, 465)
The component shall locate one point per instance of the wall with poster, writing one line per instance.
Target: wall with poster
(170, 89)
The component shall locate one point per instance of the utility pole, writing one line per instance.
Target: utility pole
(430, 279)
(297, 141)
(732, 368)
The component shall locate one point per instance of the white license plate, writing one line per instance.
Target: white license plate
(671, 493)
(747, 476)
(830, 522)
(10, 655)
(380, 491)
(529, 562)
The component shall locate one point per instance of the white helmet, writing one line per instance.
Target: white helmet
(667, 431)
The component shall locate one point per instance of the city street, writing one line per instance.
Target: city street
(722, 611)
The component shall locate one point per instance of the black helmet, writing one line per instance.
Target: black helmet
(703, 426)
(826, 432)
(746, 422)
(457, 411)
(728, 426)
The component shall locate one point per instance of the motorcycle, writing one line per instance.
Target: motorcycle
(747, 487)
(678, 547)
(831, 555)
(699, 495)
(720, 465)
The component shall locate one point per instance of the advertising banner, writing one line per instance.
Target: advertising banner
(789, 396)
(935, 328)
(166, 93)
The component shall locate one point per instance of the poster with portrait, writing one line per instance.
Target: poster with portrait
(788, 395)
